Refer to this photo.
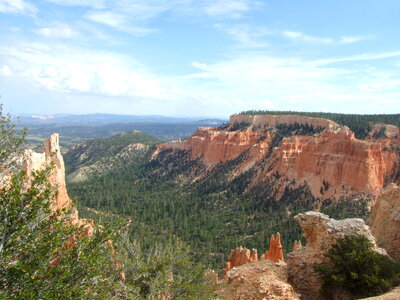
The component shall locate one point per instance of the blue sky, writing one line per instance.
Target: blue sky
(199, 57)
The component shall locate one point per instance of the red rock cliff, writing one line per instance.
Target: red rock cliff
(332, 163)
(214, 145)
(335, 157)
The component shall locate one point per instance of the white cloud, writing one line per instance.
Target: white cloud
(353, 39)
(118, 21)
(17, 7)
(296, 35)
(358, 57)
(300, 36)
(6, 71)
(89, 3)
(247, 36)
(307, 84)
(74, 70)
(57, 31)
(232, 8)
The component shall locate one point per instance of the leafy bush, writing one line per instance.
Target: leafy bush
(357, 270)
(42, 255)
(163, 271)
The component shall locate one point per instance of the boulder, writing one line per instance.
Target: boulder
(321, 232)
(257, 280)
(385, 220)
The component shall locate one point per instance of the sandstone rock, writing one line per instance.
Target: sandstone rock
(332, 163)
(392, 295)
(335, 163)
(389, 131)
(297, 245)
(216, 146)
(321, 232)
(33, 161)
(238, 257)
(275, 252)
(257, 280)
(385, 220)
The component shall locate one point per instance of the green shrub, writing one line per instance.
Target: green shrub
(357, 270)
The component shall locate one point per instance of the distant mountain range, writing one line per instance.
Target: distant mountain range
(74, 129)
(102, 119)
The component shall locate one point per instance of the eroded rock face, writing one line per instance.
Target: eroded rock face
(385, 220)
(239, 257)
(216, 146)
(335, 163)
(33, 161)
(321, 232)
(258, 280)
(331, 164)
(275, 252)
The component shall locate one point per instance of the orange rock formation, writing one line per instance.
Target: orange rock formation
(275, 252)
(215, 145)
(332, 163)
(238, 257)
(33, 161)
(347, 165)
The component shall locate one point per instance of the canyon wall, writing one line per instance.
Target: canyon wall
(214, 145)
(335, 163)
(332, 163)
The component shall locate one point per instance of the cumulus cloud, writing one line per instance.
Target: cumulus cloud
(74, 70)
(17, 7)
(307, 84)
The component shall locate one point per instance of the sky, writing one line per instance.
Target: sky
(199, 57)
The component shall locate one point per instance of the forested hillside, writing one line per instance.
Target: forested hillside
(173, 195)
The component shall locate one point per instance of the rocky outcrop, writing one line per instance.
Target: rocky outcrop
(257, 280)
(392, 295)
(321, 232)
(51, 155)
(384, 130)
(271, 121)
(239, 257)
(385, 220)
(275, 252)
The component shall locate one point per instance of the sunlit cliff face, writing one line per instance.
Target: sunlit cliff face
(332, 163)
